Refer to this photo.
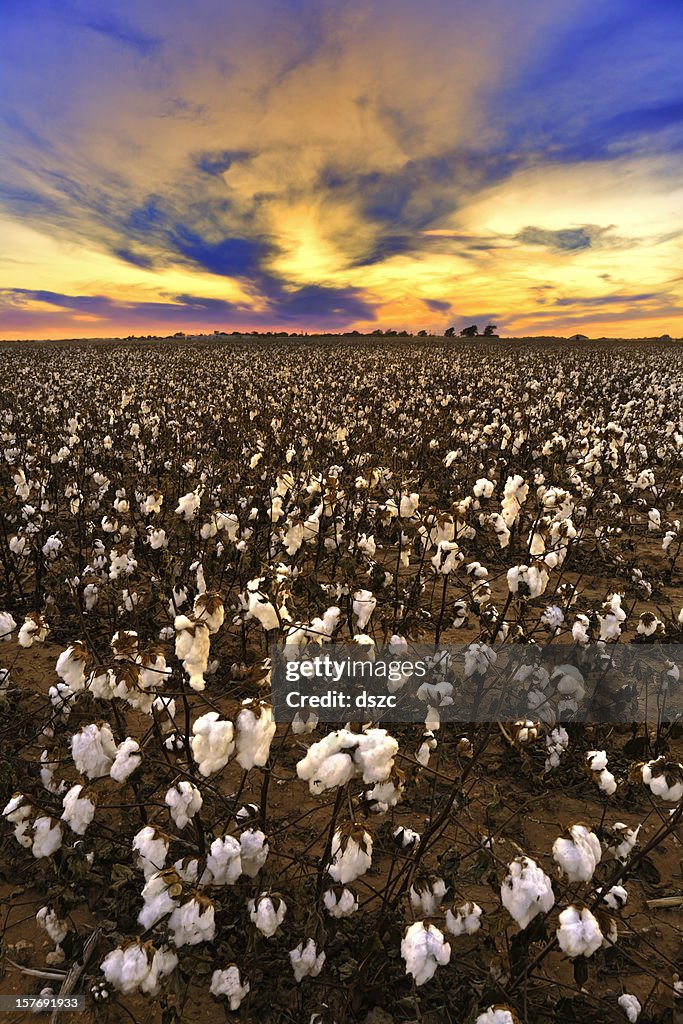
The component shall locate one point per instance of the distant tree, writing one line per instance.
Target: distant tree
(423, 334)
(489, 330)
(469, 332)
(449, 332)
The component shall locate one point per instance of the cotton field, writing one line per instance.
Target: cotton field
(172, 510)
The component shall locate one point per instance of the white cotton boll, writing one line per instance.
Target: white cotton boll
(597, 760)
(187, 869)
(150, 849)
(184, 800)
(578, 933)
(254, 851)
(229, 984)
(664, 779)
(260, 607)
(306, 961)
(340, 904)
(374, 755)
(579, 854)
(159, 894)
(224, 862)
(47, 837)
(364, 604)
(527, 581)
(128, 757)
(612, 617)
(625, 839)
(424, 948)
(631, 1007)
(211, 742)
(34, 629)
(497, 1015)
(350, 855)
(56, 928)
(192, 647)
(407, 838)
(616, 897)
(136, 967)
(79, 809)
(385, 795)
(329, 762)
(427, 896)
(192, 922)
(71, 666)
(464, 920)
(484, 488)
(188, 505)
(526, 891)
(93, 750)
(267, 912)
(209, 609)
(580, 629)
(255, 729)
(303, 725)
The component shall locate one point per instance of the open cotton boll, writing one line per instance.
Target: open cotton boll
(578, 854)
(424, 948)
(527, 581)
(47, 837)
(616, 897)
(188, 505)
(351, 854)
(254, 851)
(578, 933)
(340, 902)
(7, 625)
(94, 750)
(223, 863)
(664, 779)
(497, 1015)
(71, 666)
(306, 961)
(134, 967)
(18, 812)
(620, 840)
(160, 895)
(631, 1007)
(209, 609)
(385, 795)
(56, 928)
(150, 849)
(128, 757)
(526, 891)
(426, 895)
(364, 604)
(329, 762)
(211, 742)
(464, 920)
(79, 809)
(229, 984)
(184, 800)
(255, 729)
(192, 921)
(35, 628)
(302, 725)
(267, 912)
(192, 647)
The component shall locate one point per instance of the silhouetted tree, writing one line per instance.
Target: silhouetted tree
(470, 332)
(449, 332)
(489, 330)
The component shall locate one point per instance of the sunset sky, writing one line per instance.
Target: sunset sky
(314, 165)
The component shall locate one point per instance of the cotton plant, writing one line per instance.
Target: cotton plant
(426, 895)
(254, 849)
(160, 895)
(342, 755)
(578, 853)
(192, 647)
(34, 630)
(94, 750)
(497, 1014)
(224, 861)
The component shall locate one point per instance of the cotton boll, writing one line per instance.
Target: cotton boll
(497, 1015)
(192, 647)
(47, 837)
(426, 895)
(56, 928)
(526, 891)
(616, 897)
(664, 779)
(407, 838)
(34, 629)
(579, 854)
(464, 920)
(134, 967)
(302, 725)
(267, 912)
(254, 851)
(306, 961)
(212, 743)
(351, 854)
(340, 902)
(578, 933)
(160, 895)
(188, 505)
(71, 666)
(374, 755)
(424, 949)
(184, 800)
(385, 795)
(192, 921)
(209, 609)
(128, 757)
(224, 862)
(150, 849)
(229, 984)
(79, 809)
(94, 750)
(329, 762)
(631, 1007)
(364, 604)
(620, 840)
(255, 729)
